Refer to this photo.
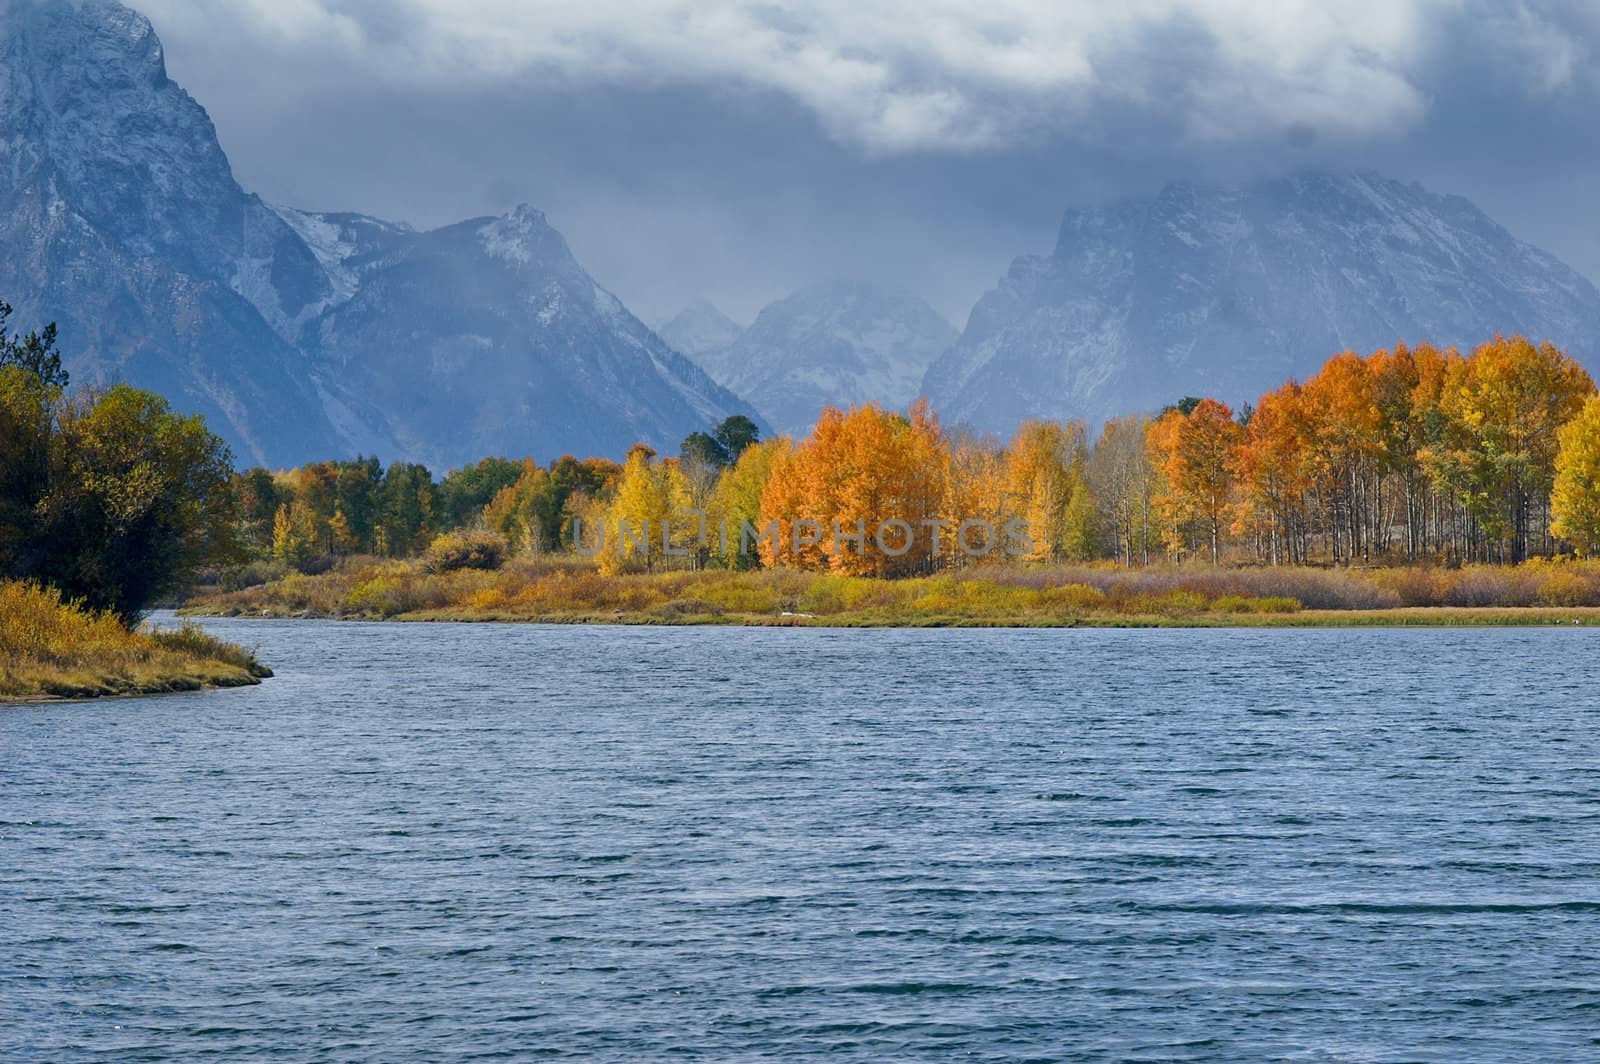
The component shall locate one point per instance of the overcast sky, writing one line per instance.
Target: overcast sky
(738, 150)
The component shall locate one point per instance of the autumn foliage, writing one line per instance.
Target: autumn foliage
(1411, 455)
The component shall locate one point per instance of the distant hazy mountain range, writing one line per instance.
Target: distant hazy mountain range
(302, 335)
(1223, 292)
(699, 330)
(1230, 292)
(841, 343)
(298, 335)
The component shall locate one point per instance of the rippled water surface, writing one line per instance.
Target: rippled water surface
(453, 842)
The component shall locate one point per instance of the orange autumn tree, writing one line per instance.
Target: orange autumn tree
(1195, 454)
(1275, 475)
(861, 496)
(1347, 452)
(975, 503)
(1396, 380)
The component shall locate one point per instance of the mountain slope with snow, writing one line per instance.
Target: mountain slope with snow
(488, 337)
(121, 220)
(841, 343)
(700, 329)
(298, 335)
(1230, 292)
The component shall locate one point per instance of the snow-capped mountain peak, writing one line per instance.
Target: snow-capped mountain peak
(523, 236)
(700, 329)
(837, 343)
(1229, 292)
(298, 334)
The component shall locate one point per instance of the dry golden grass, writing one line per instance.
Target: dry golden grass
(569, 590)
(51, 648)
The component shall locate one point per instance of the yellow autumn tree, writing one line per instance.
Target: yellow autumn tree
(340, 535)
(1080, 525)
(734, 510)
(1575, 499)
(1124, 483)
(1345, 423)
(649, 523)
(512, 511)
(1044, 469)
(294, 533)
(1506, 406)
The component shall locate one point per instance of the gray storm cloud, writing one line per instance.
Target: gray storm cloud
(909, 75)
(734, 149)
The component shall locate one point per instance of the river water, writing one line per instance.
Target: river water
(434, 842)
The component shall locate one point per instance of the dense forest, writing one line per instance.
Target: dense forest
(1404, 456)
(108, 496)
(108, 501)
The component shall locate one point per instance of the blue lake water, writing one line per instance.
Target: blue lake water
(633, 844)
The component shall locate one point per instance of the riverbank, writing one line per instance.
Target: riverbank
(564, 591)
(50, 649)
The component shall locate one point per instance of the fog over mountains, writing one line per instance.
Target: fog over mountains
(305, 335)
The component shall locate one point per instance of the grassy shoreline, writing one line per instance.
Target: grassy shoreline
(557, 591)
(52, 650)
(1403, 617)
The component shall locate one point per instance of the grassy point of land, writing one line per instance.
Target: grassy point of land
(51, 649)
(558, 590)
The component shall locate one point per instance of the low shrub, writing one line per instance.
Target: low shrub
(382, 596)
(1484, 585)
(1074, 598)
(741, 596)
(252, 574)
(464, 550)
(1564, 587)
(196, 642)
(1414, 586)
(487, 600)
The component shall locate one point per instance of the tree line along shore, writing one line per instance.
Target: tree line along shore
(1413, 479)
(1413, 485)
(1410, 457)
